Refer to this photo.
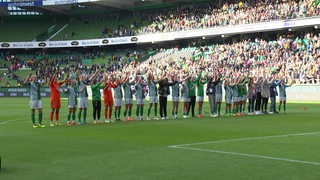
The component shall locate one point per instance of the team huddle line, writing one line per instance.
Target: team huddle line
(188, 87)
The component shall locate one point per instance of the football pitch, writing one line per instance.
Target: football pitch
(279, 146)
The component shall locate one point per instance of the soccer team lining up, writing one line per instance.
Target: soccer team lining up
(188, 84)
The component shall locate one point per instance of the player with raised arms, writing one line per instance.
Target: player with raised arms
(35, 97)
(55, 100)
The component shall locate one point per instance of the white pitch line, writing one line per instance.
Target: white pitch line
(12, 120)
(20, 119)
(249, 155)
(245, 139)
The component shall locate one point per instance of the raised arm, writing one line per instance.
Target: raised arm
(45, 81)
(27, 79)
(65, 79)
(94, 75)
(53, 77)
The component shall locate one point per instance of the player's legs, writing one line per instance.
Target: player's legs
(69, 116)
(39, 107)
(94, 106)
(130, 110)
(99, 111)
(79, 115)
(149, 110)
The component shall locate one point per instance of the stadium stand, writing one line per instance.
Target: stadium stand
(167, 19)
(25, 28)
(95, 26)
(293, 54)
(222, 13)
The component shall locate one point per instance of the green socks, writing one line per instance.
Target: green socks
(149, 110)
(40, 118)
(155, 111)
(79, 116)
(33, 118)
(125, 113)
(141, 111)
(84, 115)
(74, 116)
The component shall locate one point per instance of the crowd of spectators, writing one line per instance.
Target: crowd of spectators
(294, 56)
(46, 63)
(224, 13)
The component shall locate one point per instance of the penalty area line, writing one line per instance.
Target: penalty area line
(246, 139)
(248, 155)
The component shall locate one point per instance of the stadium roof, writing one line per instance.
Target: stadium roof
(104, 6)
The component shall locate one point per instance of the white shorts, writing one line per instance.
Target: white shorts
(228, 101)
(128, 101)
(218, 97)
(72, 106)
(186, 99)
(153, 99)
(140, 101)
(235, 99)
(83, 102)
(282, 98)
(244, 98)
(117, 102)
(175, 98)
(199, 98)
(35, 104)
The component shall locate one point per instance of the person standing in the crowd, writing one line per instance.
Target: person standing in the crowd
(265, 94)
(164, 91)
(118, 98)
(228, 96)
(258, 95)
(140, 96)
(273, 95)
(175, 96)
(35, 98)
(251, 96)
(192, 83)
(108, 97)
(83, 99)
(213, 81)
(72, 101)
(96, 97)
(235, 95)
(55, 100)
(218, 95)
(185, 97)
(128, 98)
(283, 94)
(242, 91)
(200, 94)
(153, 96)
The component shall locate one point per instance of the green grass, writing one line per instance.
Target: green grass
(141, 150)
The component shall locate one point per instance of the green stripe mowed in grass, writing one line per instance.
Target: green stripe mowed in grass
(141, 150)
